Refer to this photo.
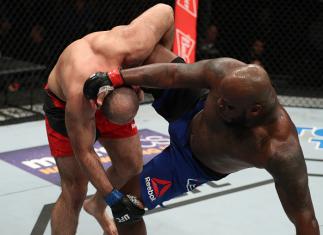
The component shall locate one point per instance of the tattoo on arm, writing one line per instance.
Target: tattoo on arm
(290, 174)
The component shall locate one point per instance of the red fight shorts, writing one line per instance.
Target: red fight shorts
(59, 142)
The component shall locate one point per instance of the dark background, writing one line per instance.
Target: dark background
(286, 37)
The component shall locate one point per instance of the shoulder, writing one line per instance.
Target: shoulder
(74, 54)
(74, 66)
(223, 65)
(286, 155)
(111, 44)
(284, 142)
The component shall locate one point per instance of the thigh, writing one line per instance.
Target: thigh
(124, 152)
(173, 103)
(156, 180)
(58, 140)
(152, 183)
(168, 175)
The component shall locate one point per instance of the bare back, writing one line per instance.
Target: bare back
(99, 51)
(102, 51)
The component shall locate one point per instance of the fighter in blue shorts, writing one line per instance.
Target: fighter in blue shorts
(175, 170)
(239, 123)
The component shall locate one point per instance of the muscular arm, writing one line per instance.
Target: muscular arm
(202, 74)
(138, 39)
(80, 126)
(289, 171)
(159, 20)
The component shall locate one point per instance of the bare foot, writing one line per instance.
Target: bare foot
(96, 207)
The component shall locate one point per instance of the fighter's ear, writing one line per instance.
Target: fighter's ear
(93, 104)
(255, 110)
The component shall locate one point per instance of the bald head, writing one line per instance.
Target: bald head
(250, 83)
(246, 95)
(121, 106)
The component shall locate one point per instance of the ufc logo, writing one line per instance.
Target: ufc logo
(185, 45)
(123, 218)
(190, 6)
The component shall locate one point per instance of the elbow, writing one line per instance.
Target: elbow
(307, 224)
(164, 20)
(167, 11)
(312, 227)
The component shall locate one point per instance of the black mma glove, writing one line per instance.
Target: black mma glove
(102, 82)
(125, 209)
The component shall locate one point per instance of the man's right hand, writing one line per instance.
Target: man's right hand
(125, 209)
(101, 82)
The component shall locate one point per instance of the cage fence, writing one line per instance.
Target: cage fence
(285, 37)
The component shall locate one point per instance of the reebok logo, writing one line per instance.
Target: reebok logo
(156, 187)
(185, 45)
(150, 190)
(189, 6)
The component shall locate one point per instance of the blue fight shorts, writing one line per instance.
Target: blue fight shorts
(175, 170)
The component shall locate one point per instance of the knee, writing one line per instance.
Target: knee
(129, 169)
(135, 168)
(74, 191)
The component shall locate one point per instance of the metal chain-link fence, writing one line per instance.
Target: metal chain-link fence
(286, 37)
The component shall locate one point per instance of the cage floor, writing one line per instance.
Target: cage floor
(242, 203)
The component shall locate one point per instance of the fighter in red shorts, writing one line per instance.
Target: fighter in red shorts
(73, 122)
